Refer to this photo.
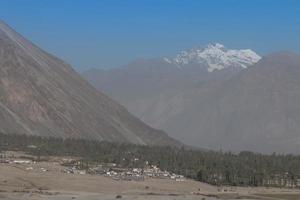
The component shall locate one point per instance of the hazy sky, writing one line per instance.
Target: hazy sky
(109, 33)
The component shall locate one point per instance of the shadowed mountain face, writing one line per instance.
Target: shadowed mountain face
(42, 95)
(256, 108)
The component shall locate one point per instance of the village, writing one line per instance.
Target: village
(73, 165)
(66, 177)
(76, 166)
(116, 172)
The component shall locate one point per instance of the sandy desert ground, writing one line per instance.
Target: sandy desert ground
(17, 182)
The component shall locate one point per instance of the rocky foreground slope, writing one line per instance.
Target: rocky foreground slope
(42, 95)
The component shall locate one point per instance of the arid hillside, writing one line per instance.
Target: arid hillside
(42, 95)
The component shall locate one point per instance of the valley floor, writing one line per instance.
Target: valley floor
(23, 182)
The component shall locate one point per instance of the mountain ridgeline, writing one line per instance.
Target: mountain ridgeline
(42, 95)
(214, 97)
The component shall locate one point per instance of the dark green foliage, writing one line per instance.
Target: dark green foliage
(244, 169)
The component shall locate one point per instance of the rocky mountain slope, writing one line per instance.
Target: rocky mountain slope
(257, 109)
(232, 107)
(42, 95)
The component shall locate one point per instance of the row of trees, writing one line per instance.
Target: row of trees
(220, 168)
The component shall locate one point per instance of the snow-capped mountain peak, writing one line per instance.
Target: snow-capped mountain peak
(216, 56)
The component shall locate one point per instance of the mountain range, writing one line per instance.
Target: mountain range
(42, 95)
(213, 97)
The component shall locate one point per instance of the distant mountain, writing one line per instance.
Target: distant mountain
(257, 109)
(244, 106)
(144, 79)
(215, 57)
(42, 95)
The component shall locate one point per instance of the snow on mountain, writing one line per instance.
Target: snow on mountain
(216, 57)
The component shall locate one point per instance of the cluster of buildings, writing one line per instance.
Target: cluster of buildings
(139, 174)
(118, 173)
